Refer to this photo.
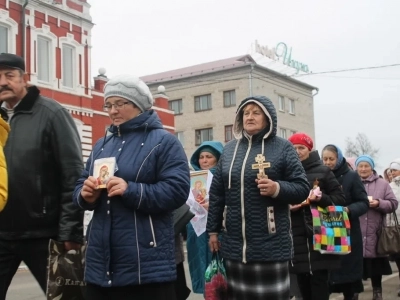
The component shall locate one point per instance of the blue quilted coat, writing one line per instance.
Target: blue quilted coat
(199, 254)
(131, 237)
(257, 227)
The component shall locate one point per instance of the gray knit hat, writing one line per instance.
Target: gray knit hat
(130, 88)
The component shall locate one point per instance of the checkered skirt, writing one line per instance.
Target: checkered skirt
(258, 281)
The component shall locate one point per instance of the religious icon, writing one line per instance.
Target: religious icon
(261, 165)
(103, 169)
(198, 183)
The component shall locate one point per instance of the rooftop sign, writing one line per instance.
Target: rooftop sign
(282, 51)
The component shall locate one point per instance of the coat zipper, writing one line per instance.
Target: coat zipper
(137, 248)
(242, 202)
(152, 231)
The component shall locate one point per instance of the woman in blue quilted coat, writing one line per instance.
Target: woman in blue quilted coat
(258, 176)
(199, 256)
(130, 248)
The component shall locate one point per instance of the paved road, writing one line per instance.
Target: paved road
(24, 287)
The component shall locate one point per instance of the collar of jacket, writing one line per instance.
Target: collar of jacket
(312, 160)
(371, 178)
(146, 121)
(343, 169)
(26, 103)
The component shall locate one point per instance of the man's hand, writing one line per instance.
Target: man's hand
(89, 191)
(71, 246)
(116, 186)
(213, 242)
(267, 186)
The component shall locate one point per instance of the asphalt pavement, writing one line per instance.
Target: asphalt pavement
(24, 287)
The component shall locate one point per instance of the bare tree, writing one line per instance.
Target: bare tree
(361, 145)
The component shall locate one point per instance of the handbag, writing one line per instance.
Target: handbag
(65, 273)
(216, 286)
(182, 216)
(331, 230)
(389, 238)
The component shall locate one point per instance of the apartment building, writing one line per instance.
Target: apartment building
(204, 98)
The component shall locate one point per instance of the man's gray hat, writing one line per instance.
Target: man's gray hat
(131, 88)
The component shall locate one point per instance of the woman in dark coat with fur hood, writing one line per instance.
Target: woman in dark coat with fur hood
(312, 267)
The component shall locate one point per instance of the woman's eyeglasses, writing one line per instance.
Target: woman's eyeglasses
(117, 106)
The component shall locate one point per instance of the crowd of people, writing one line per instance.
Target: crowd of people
(258, 205)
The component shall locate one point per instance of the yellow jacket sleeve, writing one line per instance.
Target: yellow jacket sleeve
(4, 129)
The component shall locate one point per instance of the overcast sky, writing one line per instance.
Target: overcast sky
(144, 37)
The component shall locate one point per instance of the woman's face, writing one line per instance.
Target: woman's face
(121, 110)
(302, 151)
(364, 169)
(394, 174)
(329, 158)
(254, 119)
(207, 160)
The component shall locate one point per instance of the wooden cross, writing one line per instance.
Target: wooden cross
(261, 165)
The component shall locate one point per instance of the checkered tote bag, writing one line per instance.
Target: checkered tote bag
(331, 230)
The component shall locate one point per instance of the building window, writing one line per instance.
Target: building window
(291, 107)
(228, 133)
(282, 133)
(202, 102)
(281, 100)
(179, 136)
(3, 39)
(68, 63)
(43, 59)
(176, 106)
(202, 135)
(229, 98)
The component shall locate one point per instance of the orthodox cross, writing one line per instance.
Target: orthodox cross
(261, 165)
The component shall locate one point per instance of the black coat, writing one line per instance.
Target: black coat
(44, 161)
(357, 202)
(257, 226)
(305, 258)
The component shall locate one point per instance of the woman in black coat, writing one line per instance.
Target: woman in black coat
(348, 279)
(312, 267)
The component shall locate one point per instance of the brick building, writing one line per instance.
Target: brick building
(54, 37)
(204, 98)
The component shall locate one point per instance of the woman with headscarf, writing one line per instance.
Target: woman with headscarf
(387, 175)
(348, 279)
(258, 176)
(312, 267)
(205, 157)
(382, 201)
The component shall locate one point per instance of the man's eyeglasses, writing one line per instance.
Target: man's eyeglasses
(117, 106)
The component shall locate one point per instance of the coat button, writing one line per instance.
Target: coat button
(108, 273)
(272, 229)
(109, 282)
(108, 212)
(151, 244)
(272, 220)
(108, 201)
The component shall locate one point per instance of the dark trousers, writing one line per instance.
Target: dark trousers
(34, 252)
(315, 286)
(153, 291)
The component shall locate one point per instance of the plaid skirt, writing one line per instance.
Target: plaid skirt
(258, 281)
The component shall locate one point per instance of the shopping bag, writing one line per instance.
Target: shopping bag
(216, 287)
(389, 237)
(331, 230)
(65, 273)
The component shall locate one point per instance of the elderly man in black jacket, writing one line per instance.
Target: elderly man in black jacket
(258, 176)
(43, 155)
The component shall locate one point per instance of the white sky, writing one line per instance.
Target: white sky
(144, 37)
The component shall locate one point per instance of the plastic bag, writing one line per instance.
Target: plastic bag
(216, 287)
(65, 273)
